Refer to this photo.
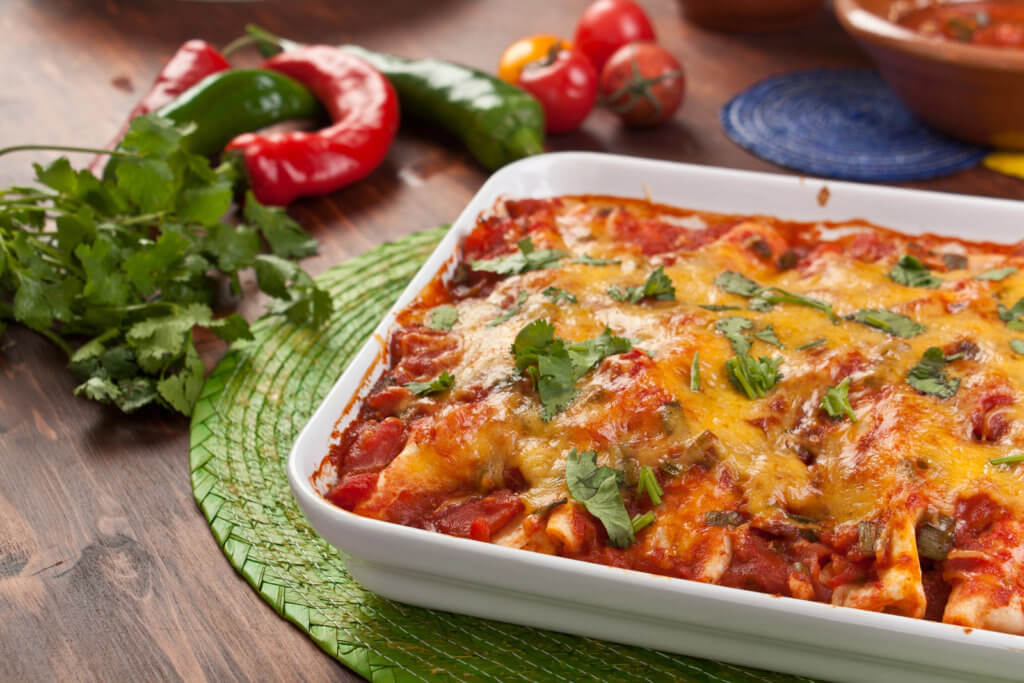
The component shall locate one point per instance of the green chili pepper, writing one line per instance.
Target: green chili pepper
(229, 103)
(497, 122)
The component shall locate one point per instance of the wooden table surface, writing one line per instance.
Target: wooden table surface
(107, 568)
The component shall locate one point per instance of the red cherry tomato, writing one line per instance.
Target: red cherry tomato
(642, 83)
(607, 25)
(566, 85)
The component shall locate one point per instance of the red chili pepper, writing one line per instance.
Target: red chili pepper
(194, 61)
(364, 108)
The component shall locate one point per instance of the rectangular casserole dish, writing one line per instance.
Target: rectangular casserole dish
(784, 634)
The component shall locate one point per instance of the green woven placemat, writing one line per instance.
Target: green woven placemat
(252, 408)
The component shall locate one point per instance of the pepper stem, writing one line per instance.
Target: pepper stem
(237, 44)
(268, 43)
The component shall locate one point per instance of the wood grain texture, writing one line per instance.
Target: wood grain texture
(107, 569)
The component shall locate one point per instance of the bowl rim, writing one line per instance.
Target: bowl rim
(863, 23)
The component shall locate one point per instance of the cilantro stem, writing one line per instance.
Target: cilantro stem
(22, 204)
(66, 148)
(55, 258)
(52, 336)
(144, 218)
(27, 192)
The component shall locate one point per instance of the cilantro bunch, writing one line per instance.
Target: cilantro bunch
(118, 271)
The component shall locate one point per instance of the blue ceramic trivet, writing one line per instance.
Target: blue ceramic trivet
(841, 123)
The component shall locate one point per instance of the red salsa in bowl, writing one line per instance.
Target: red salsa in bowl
(990, 24)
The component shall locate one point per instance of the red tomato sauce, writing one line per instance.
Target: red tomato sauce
(991, 24)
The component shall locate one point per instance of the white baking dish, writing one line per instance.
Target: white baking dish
(744, 627)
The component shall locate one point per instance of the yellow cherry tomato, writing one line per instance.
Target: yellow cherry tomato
(526, 50)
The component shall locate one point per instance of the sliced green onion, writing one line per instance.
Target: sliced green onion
(695, 373)
(866, 535)
(935, 539)
(723, 518)
(1008, 459)
(649, 483)
(644, 520)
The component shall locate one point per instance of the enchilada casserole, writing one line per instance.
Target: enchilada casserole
(831, 413)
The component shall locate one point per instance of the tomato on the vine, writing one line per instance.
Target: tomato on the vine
(526, 50)
(565, 83)
(607, 25)
(642, 83)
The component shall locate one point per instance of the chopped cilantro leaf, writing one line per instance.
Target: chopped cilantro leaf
(836, 401)
(597, 488)
(554, 366)
(996, 274)
(528, 258)
(591, 261)
(516, 306)
(735, 283)
(762, 299)
(774, 295)
(585, 355)
(558, 295)
(443, 317)
(929, 375)
(732, 328)
(439, 384)
(911, 272)
(658, 286)
(1017, 345)
(1013, 316)
(753, 376)
(767, 335)
(719, 307)
(892, 323)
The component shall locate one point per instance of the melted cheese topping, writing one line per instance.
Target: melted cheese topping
(772, 458)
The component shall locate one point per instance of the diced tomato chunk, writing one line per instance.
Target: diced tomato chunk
(470, 518)
(517, 208)
(491, 237)
(480, 530)
(353, 489)
(869, 246)
(420, 354)
(651, 236)
(389, 401)
(974, 517)
(375, 448)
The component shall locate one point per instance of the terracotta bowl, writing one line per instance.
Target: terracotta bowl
(750, 15)
(969, 92)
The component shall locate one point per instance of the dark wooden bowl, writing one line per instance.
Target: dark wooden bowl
(969, 92)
